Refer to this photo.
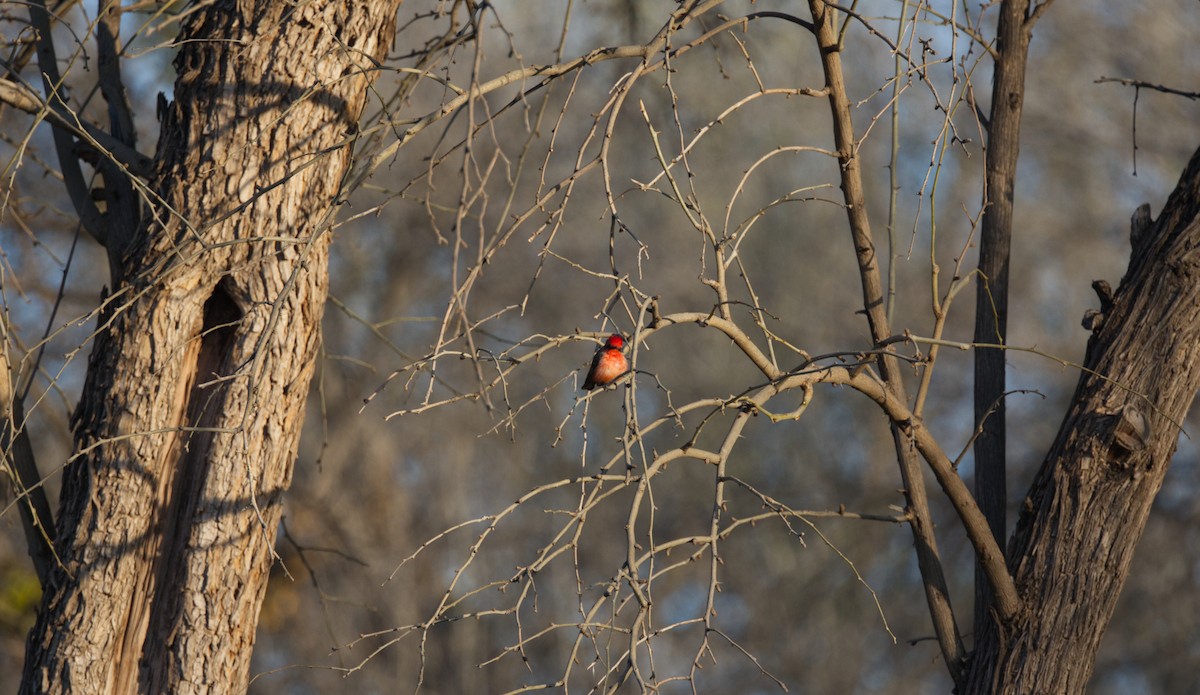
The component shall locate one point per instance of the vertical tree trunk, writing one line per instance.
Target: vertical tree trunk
(991, 290)
(190, 417)
(1085, 513)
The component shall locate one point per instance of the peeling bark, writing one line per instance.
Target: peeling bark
(188, 426)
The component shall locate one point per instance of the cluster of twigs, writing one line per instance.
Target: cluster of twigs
(618, 608)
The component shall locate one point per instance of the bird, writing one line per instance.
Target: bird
(608, 364)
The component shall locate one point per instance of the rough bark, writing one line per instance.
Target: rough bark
(188, 426)
(1088, 505)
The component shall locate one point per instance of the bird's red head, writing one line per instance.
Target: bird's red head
(615, 341)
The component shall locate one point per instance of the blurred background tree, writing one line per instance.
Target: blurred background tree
(500, 217)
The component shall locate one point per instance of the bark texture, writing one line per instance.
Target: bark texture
(188, 426)
(1088, 505)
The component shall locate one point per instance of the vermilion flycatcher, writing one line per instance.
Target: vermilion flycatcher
(608, 364)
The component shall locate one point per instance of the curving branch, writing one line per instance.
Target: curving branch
(988, 551)
(545, 74)
(874, 304)
(103, 144)
(18, 463)
(64, 143)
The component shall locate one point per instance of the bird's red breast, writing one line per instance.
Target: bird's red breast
(608, 364)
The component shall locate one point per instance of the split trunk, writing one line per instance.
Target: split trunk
(190, 418)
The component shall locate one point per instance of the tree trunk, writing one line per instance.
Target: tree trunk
(991, 288)
(1085, 512)
(188, 426)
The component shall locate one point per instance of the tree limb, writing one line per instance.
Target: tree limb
(936, 591)
(18, 460)
(991, 296)
(77, 188)
(21, 97)
(1086, 510)
(122, 208)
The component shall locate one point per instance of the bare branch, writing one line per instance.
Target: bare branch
(875, 306)
(77, 187)
(1142, 84)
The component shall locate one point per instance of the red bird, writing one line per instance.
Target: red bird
(608, 364)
